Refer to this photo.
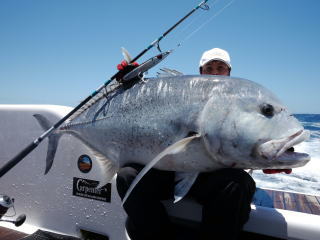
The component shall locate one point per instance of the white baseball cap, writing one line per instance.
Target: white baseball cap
(215, 54)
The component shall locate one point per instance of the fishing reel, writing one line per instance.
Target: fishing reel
(5, 203)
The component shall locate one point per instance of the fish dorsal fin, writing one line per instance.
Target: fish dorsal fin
(172, 149)
(184, 181)
(102, 94)
(167, 72)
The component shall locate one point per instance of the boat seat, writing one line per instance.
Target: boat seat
(264, 219)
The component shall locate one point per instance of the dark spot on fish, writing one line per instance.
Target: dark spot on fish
(220, 150)
(291, 149)
(191, 133)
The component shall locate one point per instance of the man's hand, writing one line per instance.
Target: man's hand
(125, 68)
(273, 171)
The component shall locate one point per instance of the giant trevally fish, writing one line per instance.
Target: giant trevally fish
(187, 124)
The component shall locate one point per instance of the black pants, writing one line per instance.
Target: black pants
(225, 195)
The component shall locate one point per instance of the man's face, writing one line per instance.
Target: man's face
(216, 68)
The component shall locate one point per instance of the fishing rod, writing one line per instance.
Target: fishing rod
(203, 5)
(21, 155)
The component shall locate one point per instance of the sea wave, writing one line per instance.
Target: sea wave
(312, 126)
(315, 135)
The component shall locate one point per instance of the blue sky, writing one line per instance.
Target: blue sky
(58, 52)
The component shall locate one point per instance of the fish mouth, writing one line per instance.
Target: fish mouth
(281, 153)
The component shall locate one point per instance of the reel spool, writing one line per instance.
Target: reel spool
(5, 203)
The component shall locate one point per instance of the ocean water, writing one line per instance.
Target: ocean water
(305, 179)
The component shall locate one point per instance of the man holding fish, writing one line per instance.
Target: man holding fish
(224, 194)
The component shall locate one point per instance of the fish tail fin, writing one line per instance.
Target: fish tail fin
(53, 140)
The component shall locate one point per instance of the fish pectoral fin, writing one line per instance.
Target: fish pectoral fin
(108, 167)
(184, 182)
(172, 149)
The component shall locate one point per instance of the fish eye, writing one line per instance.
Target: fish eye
(267, 110)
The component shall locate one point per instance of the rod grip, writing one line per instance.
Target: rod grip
(14, 161)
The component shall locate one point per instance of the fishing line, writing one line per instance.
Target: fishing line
(195, 19)
(209, 20)
(205, 23)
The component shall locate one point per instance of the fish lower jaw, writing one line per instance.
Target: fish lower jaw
(281, 151)
(291, 160)
(285, 161)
